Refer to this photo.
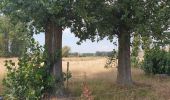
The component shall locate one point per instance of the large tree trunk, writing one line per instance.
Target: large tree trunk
(124, 67)
(53, 43)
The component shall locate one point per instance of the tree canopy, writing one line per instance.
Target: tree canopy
(38, 12)
(107, 17)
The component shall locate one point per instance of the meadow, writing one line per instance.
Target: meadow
(101, 81)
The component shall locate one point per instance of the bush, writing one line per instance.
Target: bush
(135, 62)
(156, 61)
(29, 79)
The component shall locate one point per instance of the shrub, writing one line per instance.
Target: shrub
(29, 79)
(135, 62)
(156, 61)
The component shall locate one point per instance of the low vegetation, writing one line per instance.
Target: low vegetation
(101, 82)
(156, 61)
(29, 79)
(1, 87)
(103, 87)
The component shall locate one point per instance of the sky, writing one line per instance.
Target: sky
(86, 47)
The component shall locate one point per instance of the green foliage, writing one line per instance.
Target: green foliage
(38, 13)
(110, 17)
(112, 59)
(67, 76)
(135, 50)
(65, 51)
(135, 44)
(146, 43)
(156, 61)
(29, 79)
(106, 53)
(13, 37)
(135, 61)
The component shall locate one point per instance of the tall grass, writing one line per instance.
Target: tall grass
(105, 90)
(1, 86)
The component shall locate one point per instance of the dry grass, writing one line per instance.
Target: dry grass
(1, 87)
(2, 62)
(90, 65)
(3, 70)
(102, 80)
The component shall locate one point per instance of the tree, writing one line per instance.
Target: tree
(49, 16)
(5, 27)
(13, 37)
(65, 51)
(121, 18)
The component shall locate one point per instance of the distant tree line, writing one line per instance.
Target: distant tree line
(97, 53)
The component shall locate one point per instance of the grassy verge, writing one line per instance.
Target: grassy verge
(104, 90)
(1, 86)
(145, 88)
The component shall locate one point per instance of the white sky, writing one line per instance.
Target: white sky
(86, 47)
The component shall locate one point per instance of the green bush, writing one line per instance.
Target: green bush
(29, 79)
(135, 62)
(156, 61)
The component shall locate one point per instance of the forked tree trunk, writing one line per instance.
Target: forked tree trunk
(124, 67)
(53, 43)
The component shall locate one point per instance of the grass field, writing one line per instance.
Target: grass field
(101, 81)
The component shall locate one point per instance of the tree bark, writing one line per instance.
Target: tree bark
(124, 67)
(6, 44)
(53, 44)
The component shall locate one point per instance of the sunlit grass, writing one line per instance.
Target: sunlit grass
(148, 88)
(106, 90)
(102, 84)
(1, 86)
